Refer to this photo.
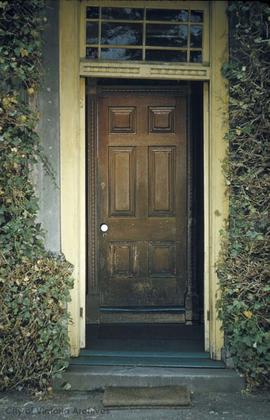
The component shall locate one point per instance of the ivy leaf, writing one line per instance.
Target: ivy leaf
(248, 314)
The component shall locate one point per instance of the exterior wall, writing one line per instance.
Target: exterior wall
(48, 107)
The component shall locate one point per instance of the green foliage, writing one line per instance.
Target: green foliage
(33, 284)
(244, 266)
(21, 236)
(33, 323)
(20, 43)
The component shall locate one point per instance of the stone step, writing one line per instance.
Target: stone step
(134, 354)
(178, 361)
(88, 378)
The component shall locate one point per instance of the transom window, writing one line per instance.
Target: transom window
(144, 34)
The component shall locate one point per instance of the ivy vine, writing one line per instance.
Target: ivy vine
(244, 266)
(34, 285)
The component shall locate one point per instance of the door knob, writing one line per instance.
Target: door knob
(103, 227)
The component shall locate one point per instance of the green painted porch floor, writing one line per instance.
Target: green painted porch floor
(147, 345)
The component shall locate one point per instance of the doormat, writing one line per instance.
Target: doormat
(164, 396)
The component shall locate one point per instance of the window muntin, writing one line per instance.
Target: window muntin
(144, 34)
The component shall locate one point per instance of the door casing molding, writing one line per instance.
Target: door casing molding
(72, 162)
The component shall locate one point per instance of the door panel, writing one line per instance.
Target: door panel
(141, 196)
(122, 181)
(161, 181)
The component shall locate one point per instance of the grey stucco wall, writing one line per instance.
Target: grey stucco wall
(48, 107)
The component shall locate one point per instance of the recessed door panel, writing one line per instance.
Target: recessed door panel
(162, 259)
(161, 173)
(139, 293)
(121, 180)
(122, 259)
(161, 119)
(122, 120)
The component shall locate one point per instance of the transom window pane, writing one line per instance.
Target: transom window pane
(163, 14)
(92, 12)
(92, 53)
(120, 54)
(196, 36)
(195, 56)
(167, 35)
(121, 33)
(196, 16)
(166, 55)
(92, 33)
(122, 13)
(144, 34)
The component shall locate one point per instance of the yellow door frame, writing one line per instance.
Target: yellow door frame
(72, 156)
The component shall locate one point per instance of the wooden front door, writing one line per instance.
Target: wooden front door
(140, 207)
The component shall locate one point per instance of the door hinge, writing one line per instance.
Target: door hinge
(208, 315)
(81, 312)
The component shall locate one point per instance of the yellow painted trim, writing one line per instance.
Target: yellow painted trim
(72, 128)
(218, 202)
(129, 70)
(206, 33)
(162, 4)
(71, 156)
(82, 30)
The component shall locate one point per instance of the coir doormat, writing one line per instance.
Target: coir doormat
(164, 396)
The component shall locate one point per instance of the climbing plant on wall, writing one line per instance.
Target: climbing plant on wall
(34, 285)
(244, 267)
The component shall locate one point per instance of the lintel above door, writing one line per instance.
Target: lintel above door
(143, 71)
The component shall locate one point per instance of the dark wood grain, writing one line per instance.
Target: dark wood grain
(141, 195)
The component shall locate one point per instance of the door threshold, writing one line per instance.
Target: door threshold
(143, 309)
(135, 353)
(149, 361)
